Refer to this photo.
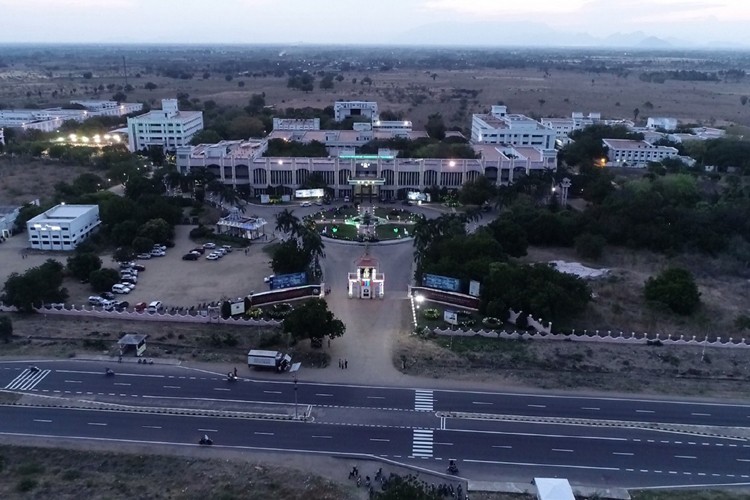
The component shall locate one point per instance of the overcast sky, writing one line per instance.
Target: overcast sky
(365, 21)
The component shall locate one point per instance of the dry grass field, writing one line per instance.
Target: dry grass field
(22, 181)
(416, 94)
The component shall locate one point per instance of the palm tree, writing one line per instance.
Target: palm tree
(312, 243)
(287, 222)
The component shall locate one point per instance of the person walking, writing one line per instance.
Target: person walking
(340, 364)
(235, 371)
(346, 364)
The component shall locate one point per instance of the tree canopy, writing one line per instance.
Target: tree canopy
(312, 320)
(674, 288)
(38, 285)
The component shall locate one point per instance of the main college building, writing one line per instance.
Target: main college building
(243, 164)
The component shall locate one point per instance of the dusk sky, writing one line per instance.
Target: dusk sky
(369, 22)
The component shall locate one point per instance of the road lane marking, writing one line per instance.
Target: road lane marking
(42, 420)
(151, 426)
(221, 389)
(590, 408)
(208, 430)
(622, 453)
(324, 394)
(422, 441)
(562, 450)
(444, 444)
(537, 406)
(503, 446)
(27, 380)
(701, 414)
(743, 460)
(73, 381)
(323, 437)
(381, 440)
(645, 411)
(119, 374)
(375, 397)
(687, 457)
(566, 466)
(424, 400)
(263, 433)
(481, 403)
(122, 383)
(97, 423)
(272, 392)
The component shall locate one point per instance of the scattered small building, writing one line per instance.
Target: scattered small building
(236, 224)
(500, 127)
(8, 215)
(62, 227)
(168, 127)
(661, 122)
(637, 154)
(296, 124)
(50, 119)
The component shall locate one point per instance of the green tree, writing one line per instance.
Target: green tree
(205, 136)
(511, 236)
(81, 265)
(156, 230)
(312, 320)
(122, 234)
(674, 288)
(590, 246)
(35, 287)
(289, 258)
(102, 279)
(142, 245)
(477, 191)
(150, 86)
(287, 222)
(435, 126)
(326, 83)
(28, 211)
(407, 488)
(6, 328)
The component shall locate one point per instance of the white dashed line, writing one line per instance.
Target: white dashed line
(562, 450)
(687, 457)
(42, 420)
(622, 454)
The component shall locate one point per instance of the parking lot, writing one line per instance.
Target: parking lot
(173, 281)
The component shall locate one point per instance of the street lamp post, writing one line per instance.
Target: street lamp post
(295, 396)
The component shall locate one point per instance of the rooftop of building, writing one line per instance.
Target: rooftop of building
(64, 212)
(632, 144)
(507, 121)
(158, 115)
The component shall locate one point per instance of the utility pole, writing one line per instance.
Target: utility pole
(295, 396)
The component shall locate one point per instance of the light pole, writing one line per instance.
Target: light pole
(295, 396)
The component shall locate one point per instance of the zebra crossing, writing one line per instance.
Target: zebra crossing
(422, 443)
(27, 380)
(423, 400)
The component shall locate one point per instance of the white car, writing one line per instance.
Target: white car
(154, 306)
(212, 256)
(160, 247)
(306, 204)
(119, 288)
(145, 256)
(158, 253)
(129, 279)
(95, 300)
(269, 278)
(209, 245)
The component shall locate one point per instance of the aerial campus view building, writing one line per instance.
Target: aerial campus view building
(167, 128)
(243, 164)
(51, 119)
(62, 227)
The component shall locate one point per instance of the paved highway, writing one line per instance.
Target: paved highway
(408, 425)
(139, 381)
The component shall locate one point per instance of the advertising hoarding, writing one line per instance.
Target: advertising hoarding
(441, 282)
(309, 193)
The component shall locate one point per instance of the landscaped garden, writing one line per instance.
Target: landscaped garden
(355, 224)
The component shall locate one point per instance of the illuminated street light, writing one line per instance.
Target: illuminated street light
(451, 163)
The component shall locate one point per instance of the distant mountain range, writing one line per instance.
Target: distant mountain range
(530, 34)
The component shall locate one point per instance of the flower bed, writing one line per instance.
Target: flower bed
(280, 311)
(431, 314)
(491, 322)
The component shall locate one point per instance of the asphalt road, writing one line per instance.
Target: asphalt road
(397, 423)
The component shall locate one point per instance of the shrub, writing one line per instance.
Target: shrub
(674, 288)
(491, 322)
(431, 314)
(590, 246)
(255, 313)
(201, 232)
(26, 484)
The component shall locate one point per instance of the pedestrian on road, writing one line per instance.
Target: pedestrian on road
(341, 365)
(346, 364)
(235, 371)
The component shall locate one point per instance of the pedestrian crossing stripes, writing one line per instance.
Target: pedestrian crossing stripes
(27, 380)
(422, 443)
(423, 400)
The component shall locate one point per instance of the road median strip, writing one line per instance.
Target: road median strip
(725, 432)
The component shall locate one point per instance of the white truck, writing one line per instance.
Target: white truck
(269, 359)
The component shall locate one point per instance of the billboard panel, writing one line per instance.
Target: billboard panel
(441, 282)
(288, 280)
(474, 288)
(237, 308)
(309, 193)
(417, 196)
(264, 198)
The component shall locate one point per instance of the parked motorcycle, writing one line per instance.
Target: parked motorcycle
(205, 440)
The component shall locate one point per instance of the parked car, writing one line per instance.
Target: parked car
(221, 251)
(144, 256)
(140, 307)
(190, 256)
(200, 250)
(158, 253)
(228, 248)
(154, 306)
(121, 305)
(95, 300)
(209, 245)
(306, 204)
(269, 278)
(125, 265)
(107, 295)
(318, 203)
(129, 280)
(160, 247)
(212, 256)
(121, 288)
(55, 305)
(138, 267)
(108, 305)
